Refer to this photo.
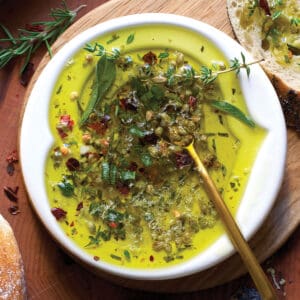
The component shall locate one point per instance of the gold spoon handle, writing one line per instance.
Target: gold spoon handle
(258, 276)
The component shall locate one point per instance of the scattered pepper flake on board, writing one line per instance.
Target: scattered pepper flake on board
(11, 159)
(14, 210)
(10, 193)
(27, 74)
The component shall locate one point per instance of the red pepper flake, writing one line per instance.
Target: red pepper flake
(27, 74)
(72, 224)
(12, 157)
(10, 193)
(14, 210)
(150, 58)
(79, 206)
(133, 166)
(123, 188)
(265, 6)
(151, 258)
(113, 224)
(96, 258)
(66, 121)
(10, 169)
(58, 213)
(192, 102)
(65, 124)
(61, 133)
(183, 159)
(73, 164)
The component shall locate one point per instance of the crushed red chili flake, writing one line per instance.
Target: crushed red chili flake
(123, 188)
(10, 169)
(113, 224)
(129, 103)
(10, 193)
(265, 6)
(150, 58)
(66, 121)
(183, 159)
(73, 164)
(79, 206)
(192, 102)
(151, 258)
(72, 224)
(61, 133)
(12, 157)
(133, 166)
(58, 213)
(99, 127)
(27, 74)
(14, 210)
(96, 258)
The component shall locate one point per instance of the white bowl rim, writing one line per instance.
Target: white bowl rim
(258, 88)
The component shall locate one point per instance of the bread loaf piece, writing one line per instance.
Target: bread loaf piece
(12, 283)
(260, 25)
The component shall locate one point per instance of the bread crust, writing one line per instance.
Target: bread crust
(285, 79)
(12, 282)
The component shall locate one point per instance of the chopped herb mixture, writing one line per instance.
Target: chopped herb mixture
(128, 172)
(280, 24)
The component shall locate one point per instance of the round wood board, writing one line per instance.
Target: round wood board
(285, 215)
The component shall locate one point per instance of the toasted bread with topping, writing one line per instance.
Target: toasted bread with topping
(271, 30)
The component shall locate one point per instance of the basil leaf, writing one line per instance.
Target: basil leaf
(105, 76)
(233, 111)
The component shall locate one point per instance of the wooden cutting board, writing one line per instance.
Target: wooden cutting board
(285, 215)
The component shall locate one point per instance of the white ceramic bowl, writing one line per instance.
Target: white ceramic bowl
(263, 184)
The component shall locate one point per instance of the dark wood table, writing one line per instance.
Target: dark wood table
(50, 273)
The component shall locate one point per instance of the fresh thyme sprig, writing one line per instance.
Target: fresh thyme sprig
(208, 75)
(36, 34)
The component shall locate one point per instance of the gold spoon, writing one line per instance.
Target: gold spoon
(258, 276)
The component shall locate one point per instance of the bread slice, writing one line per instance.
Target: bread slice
(285, 77)
(12, 283)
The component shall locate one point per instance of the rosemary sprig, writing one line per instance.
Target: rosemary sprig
(36, 34)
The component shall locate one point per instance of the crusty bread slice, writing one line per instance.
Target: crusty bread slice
(12, 283)
(286, 79)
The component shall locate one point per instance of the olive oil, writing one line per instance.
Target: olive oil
(234, 144)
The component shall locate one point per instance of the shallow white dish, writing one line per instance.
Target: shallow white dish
(266, 175)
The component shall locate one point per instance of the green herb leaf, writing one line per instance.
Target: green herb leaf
(127, 175)
(233, 111)
(163, 55)
(115, 257)
(105, 171)
(130, 39)
(105, 77)
(146, 159)
(66, 188)
(127, 255)
(136, 131)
